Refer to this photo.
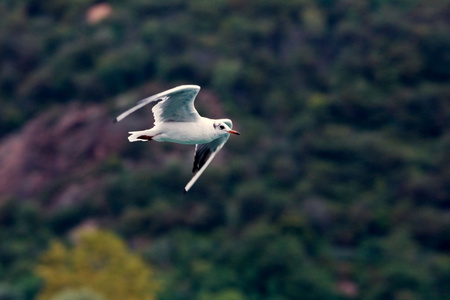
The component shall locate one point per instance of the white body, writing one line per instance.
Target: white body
(189, 133)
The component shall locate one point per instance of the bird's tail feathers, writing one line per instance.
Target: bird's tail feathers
(139, 136)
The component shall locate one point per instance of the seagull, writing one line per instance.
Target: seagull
(177, 121)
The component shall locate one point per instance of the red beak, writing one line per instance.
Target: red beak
(234, 132)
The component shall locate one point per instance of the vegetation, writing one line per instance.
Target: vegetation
(338, 188)
(99, 261)
(81, 294)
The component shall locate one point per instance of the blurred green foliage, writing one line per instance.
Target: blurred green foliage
(338, 188)
(77, 294)
(99, 262)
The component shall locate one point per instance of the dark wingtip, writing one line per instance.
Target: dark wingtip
(184, 192)
(115, 121)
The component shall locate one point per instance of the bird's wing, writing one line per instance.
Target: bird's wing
(175, 105)
(204, 154)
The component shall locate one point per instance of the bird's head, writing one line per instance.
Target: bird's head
(223, 126)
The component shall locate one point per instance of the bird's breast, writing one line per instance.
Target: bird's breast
(185, 133)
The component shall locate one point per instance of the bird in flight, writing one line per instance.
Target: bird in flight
(177, 121)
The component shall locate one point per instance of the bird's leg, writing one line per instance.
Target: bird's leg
(145, 137)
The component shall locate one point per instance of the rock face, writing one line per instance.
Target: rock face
(55, 144)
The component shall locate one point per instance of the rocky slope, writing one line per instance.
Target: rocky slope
(62, 142)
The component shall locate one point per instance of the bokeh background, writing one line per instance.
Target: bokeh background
(338, 187)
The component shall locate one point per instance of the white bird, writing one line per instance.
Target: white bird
(177, 121)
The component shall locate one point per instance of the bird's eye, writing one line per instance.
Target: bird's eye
(222, 127)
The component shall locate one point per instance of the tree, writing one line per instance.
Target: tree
(77, 294)
(100, 262)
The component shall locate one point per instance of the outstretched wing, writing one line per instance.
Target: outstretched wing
(175, 105)
(204, 154)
